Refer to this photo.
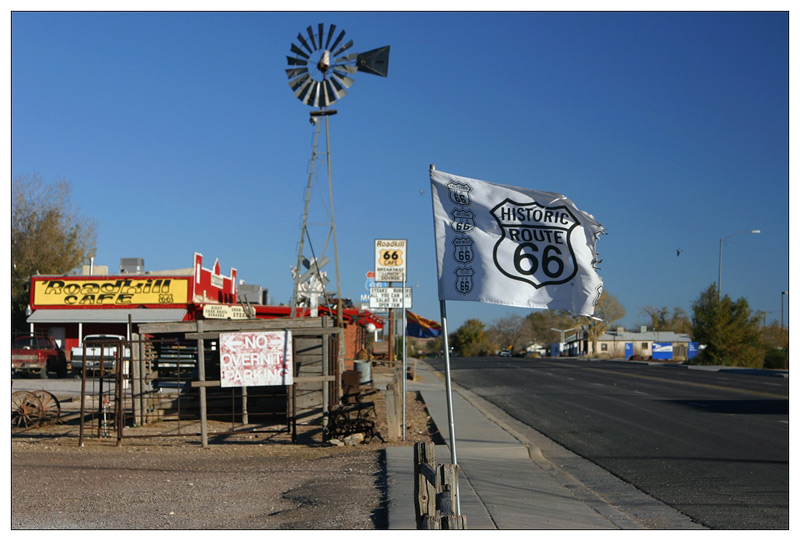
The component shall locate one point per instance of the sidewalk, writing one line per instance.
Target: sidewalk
(511, 482)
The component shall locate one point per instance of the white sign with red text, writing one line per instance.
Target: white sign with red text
(252, 359)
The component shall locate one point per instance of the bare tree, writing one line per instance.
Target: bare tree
(509, 331)
(48, 235)
(608, 311)
(659, 319)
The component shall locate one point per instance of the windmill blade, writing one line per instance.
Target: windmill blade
(298, 51)
(343, 48)
(375, 61)
(293, 61)
(302, 91)
(312, 98)
(338, 40)
(330, 36)
(347, 59)
(319, 94)
(321, 30)
(294, 72)
(302, 40)
(324, 97)
(342, 79)
(297, 83)
(335, 90)
(311, 38)
(349, 68)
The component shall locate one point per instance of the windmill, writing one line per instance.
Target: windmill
(319, 75)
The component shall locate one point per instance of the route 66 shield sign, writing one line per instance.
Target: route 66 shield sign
(463, 220)
(535, 245)
(464, 280)
(459, 193)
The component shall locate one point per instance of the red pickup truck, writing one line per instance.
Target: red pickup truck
(38, 355)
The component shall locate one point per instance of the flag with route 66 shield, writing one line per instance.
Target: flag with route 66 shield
(513, 246)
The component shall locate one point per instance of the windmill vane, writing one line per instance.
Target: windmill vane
(319, 72)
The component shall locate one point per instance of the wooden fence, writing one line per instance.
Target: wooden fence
(435, 490)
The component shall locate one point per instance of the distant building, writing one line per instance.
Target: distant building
(621, 344)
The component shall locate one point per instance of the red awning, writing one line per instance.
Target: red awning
(351, 315)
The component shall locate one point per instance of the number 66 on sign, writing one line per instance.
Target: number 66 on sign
(390, 260)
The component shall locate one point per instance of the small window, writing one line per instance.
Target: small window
(603, 347)
(645, 345)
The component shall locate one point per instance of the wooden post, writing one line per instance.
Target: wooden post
(425, 480)
(201, 373)
(392, 422)
(390, 345)
(245, 416)
(435, 498)
(398, 400)
(448, 482)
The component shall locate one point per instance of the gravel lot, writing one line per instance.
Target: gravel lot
(246, 481)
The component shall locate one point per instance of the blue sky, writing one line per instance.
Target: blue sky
(180, 134)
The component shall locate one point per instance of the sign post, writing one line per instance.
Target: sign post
(390, 266)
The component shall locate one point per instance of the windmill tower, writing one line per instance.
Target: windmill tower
(319, 75)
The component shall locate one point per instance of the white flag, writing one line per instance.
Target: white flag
(514, 246)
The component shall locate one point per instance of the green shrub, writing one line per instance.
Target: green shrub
(777, 358)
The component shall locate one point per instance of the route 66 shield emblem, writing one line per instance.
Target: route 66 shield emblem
(463, 220)
(462, 249)
(536, 243)
(464, 280)
(459, 193)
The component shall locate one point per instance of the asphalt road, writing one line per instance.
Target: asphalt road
(711, 444)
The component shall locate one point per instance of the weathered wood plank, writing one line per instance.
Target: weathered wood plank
(425, 485)
(297, 379)
(224, 325)
(429, 473)
(447, 498)
(453, 522)
(392, 422)
(314, 331)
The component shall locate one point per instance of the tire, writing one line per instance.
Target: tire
(43, 372)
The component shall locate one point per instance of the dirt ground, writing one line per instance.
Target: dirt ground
(256, 480)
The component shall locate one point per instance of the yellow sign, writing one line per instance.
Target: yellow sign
(390, 260)
(110, 292)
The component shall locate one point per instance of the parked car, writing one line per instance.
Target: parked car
(38, 355)
(504, 353)
(99, 347)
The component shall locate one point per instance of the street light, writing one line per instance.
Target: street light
(565, 331)
(721, 241)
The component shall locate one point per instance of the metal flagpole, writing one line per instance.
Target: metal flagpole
(405, 370)
(449, 390)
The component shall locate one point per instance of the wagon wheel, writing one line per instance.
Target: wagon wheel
(51, 407)
(26, 409)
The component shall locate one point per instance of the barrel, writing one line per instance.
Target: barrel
(365, 369)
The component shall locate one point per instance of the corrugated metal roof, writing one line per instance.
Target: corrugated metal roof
(107, 315)
(649, 336)
(625, 336)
